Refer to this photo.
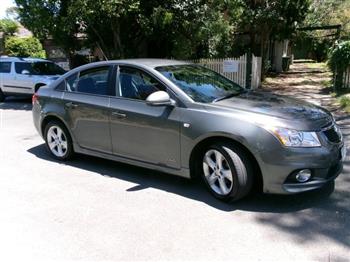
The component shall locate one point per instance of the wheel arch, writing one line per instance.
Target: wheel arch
(37, 86)
(49, 118)
(204, 143)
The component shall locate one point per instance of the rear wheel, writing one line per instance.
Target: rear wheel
(226, 171)
(58, 141)
(2, 96)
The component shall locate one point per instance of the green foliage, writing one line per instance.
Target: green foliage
(184, 29)
(339, 61)
(344, 102)
(24, 47)
(50, 19)
(8, 26)
(339, 57)
(329, 12)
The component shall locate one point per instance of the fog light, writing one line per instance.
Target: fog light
(303, 175)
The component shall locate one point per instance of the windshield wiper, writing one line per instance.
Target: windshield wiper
(226, 96)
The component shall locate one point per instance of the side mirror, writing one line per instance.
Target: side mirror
(160, 98)
(25, 72)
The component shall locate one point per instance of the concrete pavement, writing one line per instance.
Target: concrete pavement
(92, 209)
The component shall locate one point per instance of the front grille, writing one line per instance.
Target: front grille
(332, 134)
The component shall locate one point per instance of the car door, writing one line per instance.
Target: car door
(5, 72)
(87, 99)
(22, 80)
(139, 131)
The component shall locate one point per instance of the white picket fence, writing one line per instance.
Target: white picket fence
(239, 76)
(256, 72)
(346, 78)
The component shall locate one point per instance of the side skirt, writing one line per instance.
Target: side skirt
(183, 172)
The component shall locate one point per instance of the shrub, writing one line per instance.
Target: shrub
(8, 26)
(24, 47)
(339, 61)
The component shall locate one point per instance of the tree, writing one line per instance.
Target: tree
(330, 12)
(24, 47)
(324, 13)
(50, 19)
(8, 27)
(161, 28)
(130, 28)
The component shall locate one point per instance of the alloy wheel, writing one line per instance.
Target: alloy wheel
(217, 172)
(57, 141)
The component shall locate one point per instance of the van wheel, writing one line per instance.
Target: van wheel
(226, 171)
(2, 96)
(58, 141)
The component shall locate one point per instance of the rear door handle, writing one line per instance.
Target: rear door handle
(119, 115)
(71, 105)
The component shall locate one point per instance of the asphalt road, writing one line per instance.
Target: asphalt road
(94, 209)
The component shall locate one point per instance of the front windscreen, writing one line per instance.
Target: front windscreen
(199, 83)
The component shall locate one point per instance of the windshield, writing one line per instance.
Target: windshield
(39, 68)
(199, 83)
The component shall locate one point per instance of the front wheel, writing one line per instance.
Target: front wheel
(58, 141)
(227, 171)
(2, 96)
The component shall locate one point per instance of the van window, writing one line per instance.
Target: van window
(5, 67)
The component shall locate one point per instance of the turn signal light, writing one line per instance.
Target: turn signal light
(35, 98)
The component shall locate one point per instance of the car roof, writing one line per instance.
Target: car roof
(151, 62)
(143, 62)
(21, 59)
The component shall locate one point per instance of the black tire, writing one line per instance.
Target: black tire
(37, 87)
(240, 166)
(2, 96)
(69, 152)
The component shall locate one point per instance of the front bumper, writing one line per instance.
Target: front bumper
(279, 165)
(319, 179)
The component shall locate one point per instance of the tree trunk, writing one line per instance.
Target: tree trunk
(102, 44)
(119, 52)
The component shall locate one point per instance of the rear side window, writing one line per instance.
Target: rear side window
(61, 86)
(5, 67)
(19, 67)
(91, 81)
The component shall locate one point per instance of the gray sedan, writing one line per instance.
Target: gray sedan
(186, 120)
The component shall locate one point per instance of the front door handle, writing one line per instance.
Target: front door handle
(71, 105)
(119, 115)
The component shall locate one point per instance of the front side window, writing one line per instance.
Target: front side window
(136, 84)
(5, 67)
(38, 68)
(199, 83)
(91, 81)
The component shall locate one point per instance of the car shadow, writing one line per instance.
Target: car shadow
(306, 216)
(16, 103)
(193, 189)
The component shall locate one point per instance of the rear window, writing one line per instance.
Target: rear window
(19, 67)
(39, 68)
(5, 67)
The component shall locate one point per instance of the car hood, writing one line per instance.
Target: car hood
(277, 106)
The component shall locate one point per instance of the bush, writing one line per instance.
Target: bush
(8, 26)
(24, 47)
(344, 102)
(339, 61)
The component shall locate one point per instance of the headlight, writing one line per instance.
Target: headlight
(294, 138)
